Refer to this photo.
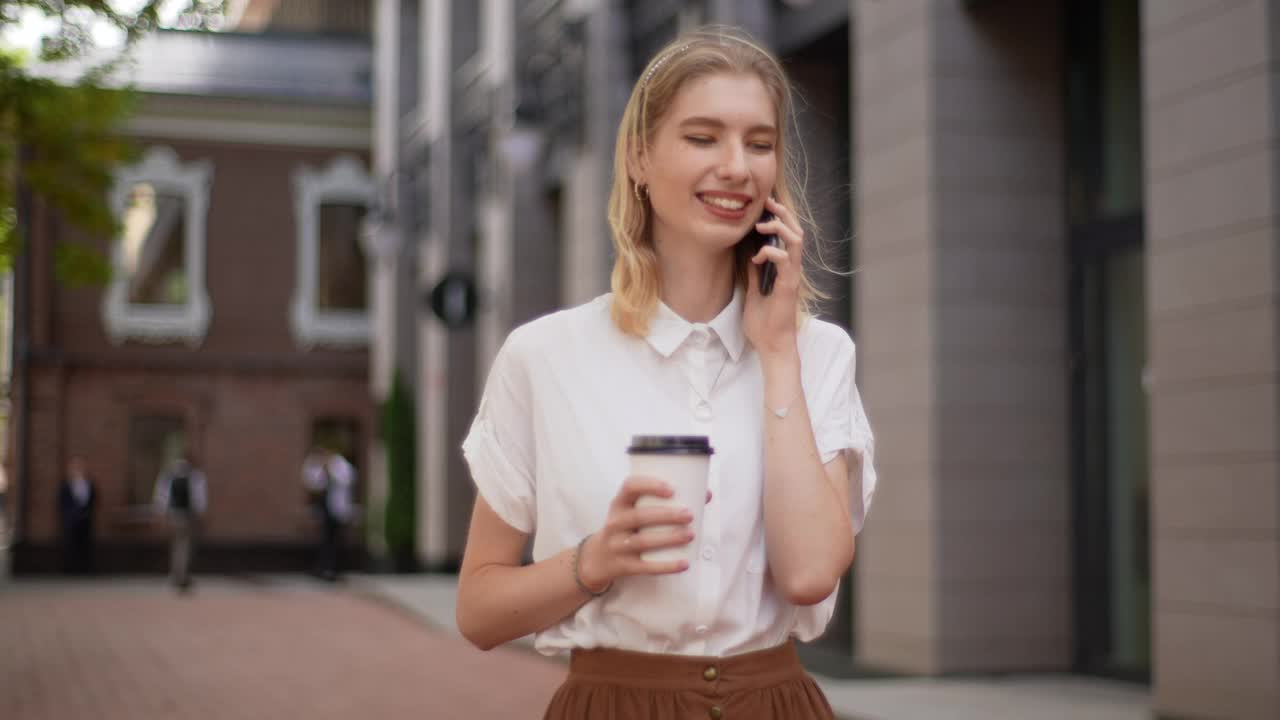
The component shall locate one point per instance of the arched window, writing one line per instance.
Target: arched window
(158, 293)
(331, 298)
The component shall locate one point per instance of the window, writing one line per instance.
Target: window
(157, 293)
(330, 301)
(155, 441)
(342, 277)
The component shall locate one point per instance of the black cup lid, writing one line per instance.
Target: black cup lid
(670, 445)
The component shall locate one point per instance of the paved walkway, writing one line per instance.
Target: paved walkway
(233, 650)
(1020, 697)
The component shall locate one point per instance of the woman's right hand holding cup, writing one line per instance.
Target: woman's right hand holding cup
(614, 551)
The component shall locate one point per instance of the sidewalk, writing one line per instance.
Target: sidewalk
(1020, 697)
(242, 648)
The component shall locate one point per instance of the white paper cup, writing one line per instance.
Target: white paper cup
(682, 462)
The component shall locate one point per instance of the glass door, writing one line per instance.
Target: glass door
(1113, 574)
(1109, 338)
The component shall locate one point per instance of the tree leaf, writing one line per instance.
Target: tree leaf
(79, 265)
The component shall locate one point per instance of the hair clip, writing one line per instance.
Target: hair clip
(658, 63)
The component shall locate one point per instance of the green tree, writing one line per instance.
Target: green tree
(400, 437)
(61, 141)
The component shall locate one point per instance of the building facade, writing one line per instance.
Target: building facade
(1062, 220)
(235, 329)
(1068, 333)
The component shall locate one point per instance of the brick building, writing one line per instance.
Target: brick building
(236, 327)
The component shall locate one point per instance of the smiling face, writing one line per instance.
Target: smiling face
(712, 162)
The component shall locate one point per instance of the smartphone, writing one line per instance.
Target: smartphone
(757, 240)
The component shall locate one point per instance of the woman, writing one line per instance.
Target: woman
(685, 344)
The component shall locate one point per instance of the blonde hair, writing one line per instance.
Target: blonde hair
(706, 51)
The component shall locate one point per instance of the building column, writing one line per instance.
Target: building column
(587, 260)
(384, 239)
(497, 230)
(1209, 106)
(469, 123)
(432, 390)
(962, 313)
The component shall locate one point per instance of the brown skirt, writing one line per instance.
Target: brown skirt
(622, 685)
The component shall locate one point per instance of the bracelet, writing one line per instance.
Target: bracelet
(781, 412)
(577, 571)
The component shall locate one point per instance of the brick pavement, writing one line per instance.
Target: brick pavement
(132, 650)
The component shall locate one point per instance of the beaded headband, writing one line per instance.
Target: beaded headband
(659, 62)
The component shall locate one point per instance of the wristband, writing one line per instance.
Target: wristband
(577, 571)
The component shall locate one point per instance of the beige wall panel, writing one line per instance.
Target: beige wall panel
(1234, 421)
(1224, 269)
(1222, 342)
(1225, 44)
(1224, 569)
(1216, 665)
(1212, 497)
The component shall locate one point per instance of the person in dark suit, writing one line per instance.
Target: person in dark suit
(77, 498)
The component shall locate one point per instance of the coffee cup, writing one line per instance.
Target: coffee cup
(682, 462)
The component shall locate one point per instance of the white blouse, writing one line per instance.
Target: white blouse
(547, 452)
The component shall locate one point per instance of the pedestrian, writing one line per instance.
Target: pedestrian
(687, 343)
(181, 495)
(77, 501)
(329, 479)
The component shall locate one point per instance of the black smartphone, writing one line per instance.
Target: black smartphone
(757, 240)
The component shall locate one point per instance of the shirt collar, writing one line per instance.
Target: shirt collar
(668, 330)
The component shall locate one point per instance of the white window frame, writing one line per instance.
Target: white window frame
(188, 322)
(344, 180)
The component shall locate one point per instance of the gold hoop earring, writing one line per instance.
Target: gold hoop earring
(637, 187)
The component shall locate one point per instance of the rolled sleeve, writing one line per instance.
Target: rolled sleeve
(840, 424)
(810, 622)
(499, 447)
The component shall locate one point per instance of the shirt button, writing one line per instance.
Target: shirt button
(701, 629)
(703, 411)
(708, 553)
(715, 712)
(710, 674)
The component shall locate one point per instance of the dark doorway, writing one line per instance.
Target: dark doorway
(1108, 340)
